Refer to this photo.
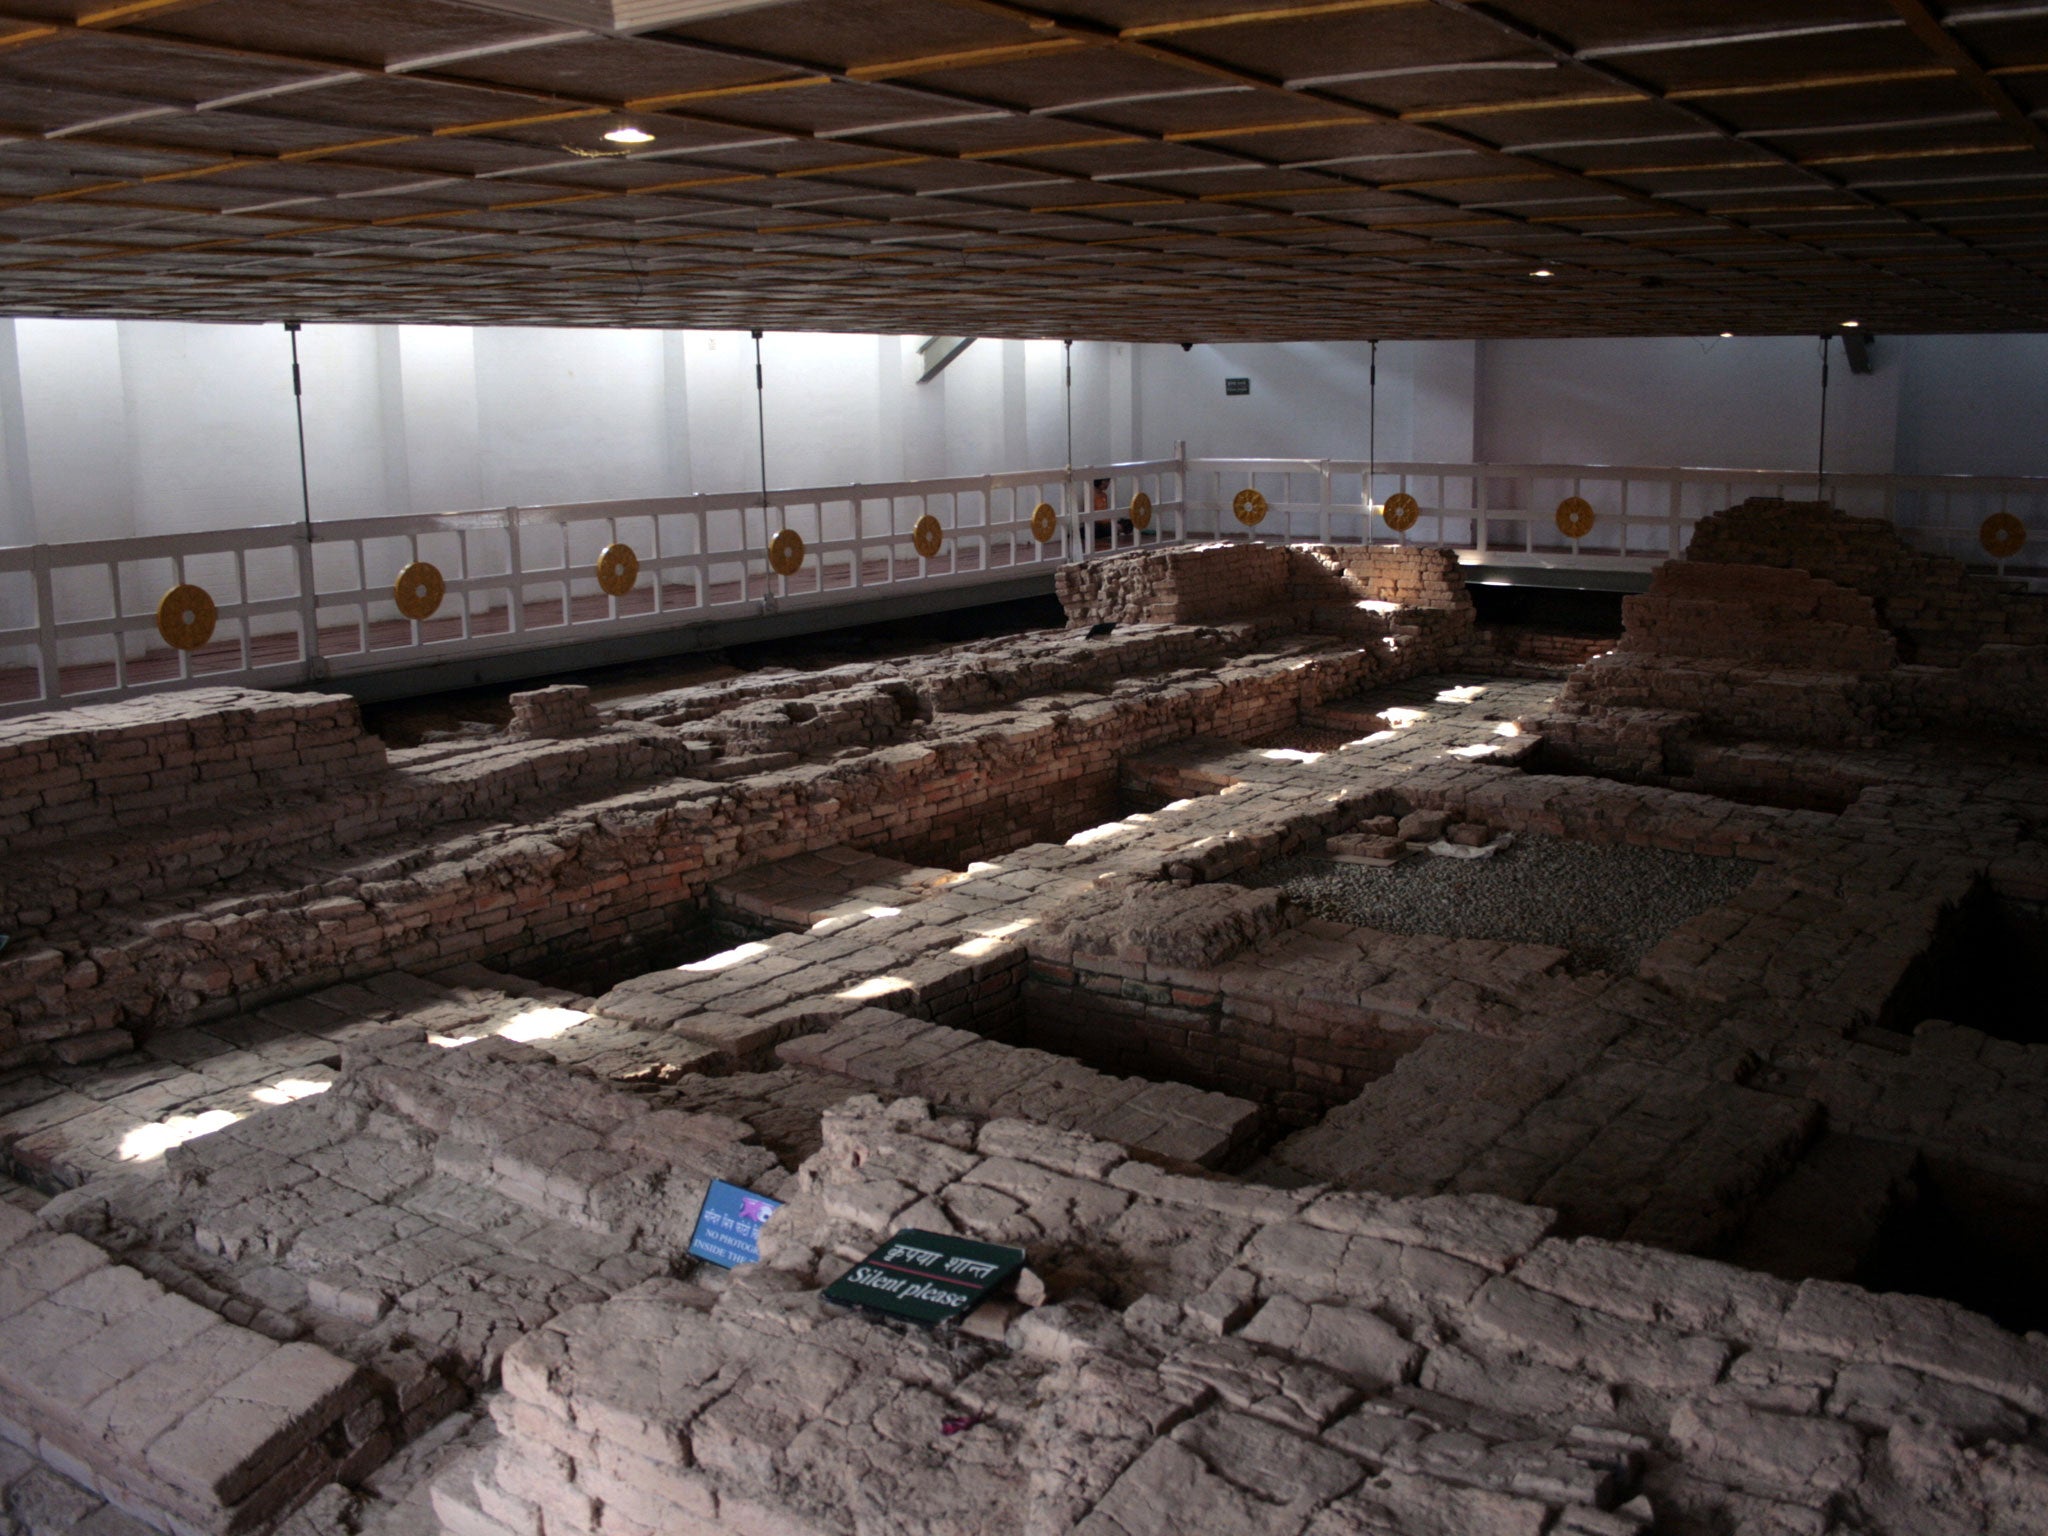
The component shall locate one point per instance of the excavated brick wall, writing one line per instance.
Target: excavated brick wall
(1760, 614)
(560, 711)
(1791, 622)
(75, 772)
(1413, 575)
(1938, 610)
(1215, 582)
(1202, 585)
(1202, 1355)
(160, 1406)
(576, 884)
(1507, 642)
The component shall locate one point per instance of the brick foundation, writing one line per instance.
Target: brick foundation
(1938, 610)
(106, 946)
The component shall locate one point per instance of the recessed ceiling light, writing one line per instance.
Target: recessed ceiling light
(1727, 335)
(1543, 272)
(1850, 325)
(629, 135)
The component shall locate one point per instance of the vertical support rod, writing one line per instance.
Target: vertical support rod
(299, 408)
(1084, 527)
(1820, 472)
(761, 423)
(309, 603)
(1372, 433)
(1180, 518)
(1070, 407)
(761, 434)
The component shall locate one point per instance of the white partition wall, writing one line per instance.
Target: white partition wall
(111, 429)
(138, 454)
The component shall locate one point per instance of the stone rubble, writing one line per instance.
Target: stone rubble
(1231, 1359)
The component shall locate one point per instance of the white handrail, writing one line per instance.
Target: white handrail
(78, 620)
(1503, 514)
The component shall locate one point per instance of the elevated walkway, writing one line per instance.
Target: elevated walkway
(523, 592)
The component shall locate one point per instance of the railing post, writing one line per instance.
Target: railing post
(515, 565)
(1327, 509)
(46, 625)
(310, 670)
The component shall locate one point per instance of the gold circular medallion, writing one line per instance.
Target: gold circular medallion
(1045, 522)
(1401, 511)
(1249, 507)
(786, 552)
(2002, 535)
(1141, 511)
(418, 590)
(186, 616)
(1575, 517)
(618, 570)
(928, 536)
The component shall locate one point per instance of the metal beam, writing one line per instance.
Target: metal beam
(1969, 69)
(939, 351)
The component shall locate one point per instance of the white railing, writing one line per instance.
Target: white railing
(78, 621)
(1505, 514)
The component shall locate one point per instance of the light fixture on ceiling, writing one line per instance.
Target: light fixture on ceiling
(1850, 325)
(629, 135)
(1543, 272)
(1727, 335)
(624, 16)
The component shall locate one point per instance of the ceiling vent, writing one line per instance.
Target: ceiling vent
(623, 15)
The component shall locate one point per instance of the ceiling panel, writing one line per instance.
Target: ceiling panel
(1154, 169)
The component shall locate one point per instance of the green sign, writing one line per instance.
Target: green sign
(926, 1278)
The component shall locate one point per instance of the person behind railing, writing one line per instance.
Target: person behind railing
(1108, 533)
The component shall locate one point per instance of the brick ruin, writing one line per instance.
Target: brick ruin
(358, 1103)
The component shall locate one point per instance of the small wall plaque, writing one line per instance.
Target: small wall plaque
(1237, 386)
(729, 1222)
(926, 1278)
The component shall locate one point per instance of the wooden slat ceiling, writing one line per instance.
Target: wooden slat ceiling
(1159, 170)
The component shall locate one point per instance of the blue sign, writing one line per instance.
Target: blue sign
(729, 1225)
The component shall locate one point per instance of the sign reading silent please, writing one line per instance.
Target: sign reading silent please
(926, 1278)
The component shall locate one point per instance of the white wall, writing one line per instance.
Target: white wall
(1309, 400)
(115, 428)
(1744, 403)
(1973, 405)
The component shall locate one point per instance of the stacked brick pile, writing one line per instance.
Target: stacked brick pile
(1938, 610)
(1760, 614)
(1203, 585)
(81, 771)
(554, 713)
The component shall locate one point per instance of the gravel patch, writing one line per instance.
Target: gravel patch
(1608, 904)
